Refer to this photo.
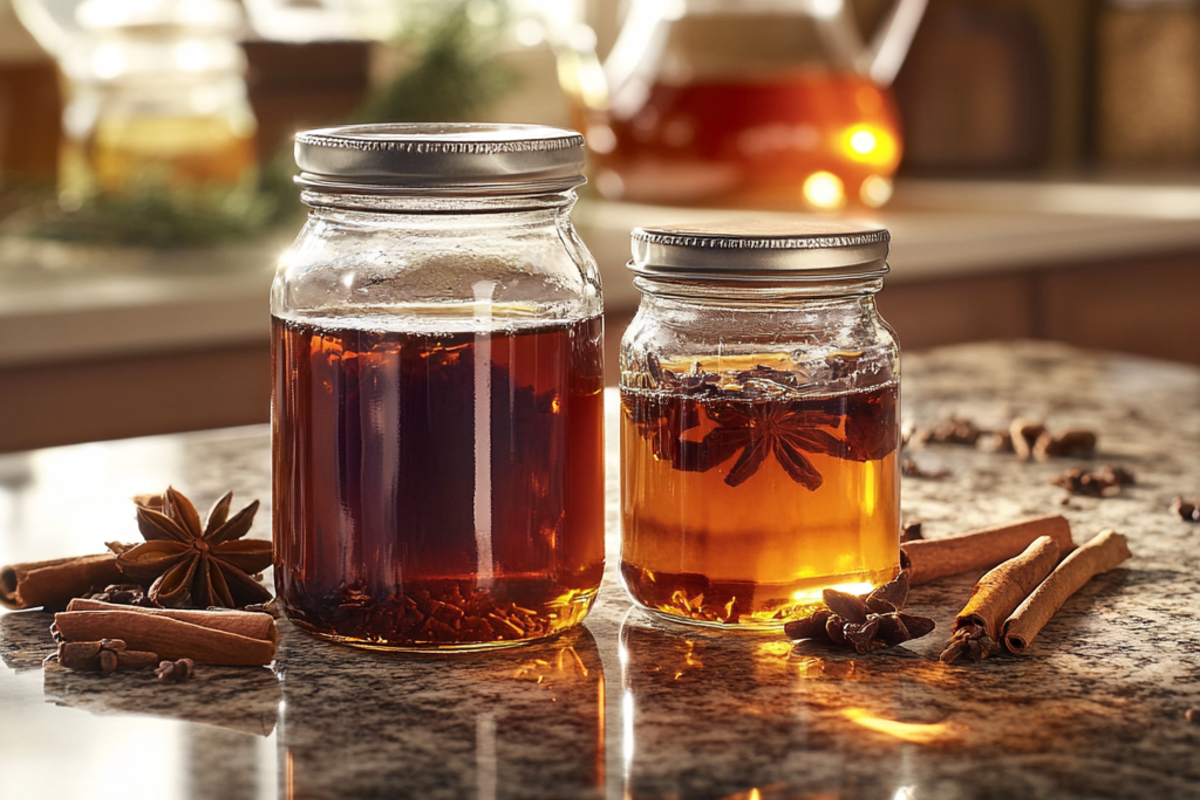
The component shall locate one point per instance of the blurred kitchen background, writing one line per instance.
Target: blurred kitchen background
(1037, 161)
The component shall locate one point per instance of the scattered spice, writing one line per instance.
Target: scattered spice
(952, 430)
(176, 671)
(1187, 510)
(1074, 442)
(1105, 481)
(105, 655)
(911, 532)
(125, 594)
(911, 469)
(1022, 435)
(1025, 437)
(977, 628)
(187, 565)
(865, 622)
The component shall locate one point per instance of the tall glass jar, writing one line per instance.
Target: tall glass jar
(437, 402)
(759, 421)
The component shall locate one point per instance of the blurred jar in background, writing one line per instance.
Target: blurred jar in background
(743, 102)
(156, 90)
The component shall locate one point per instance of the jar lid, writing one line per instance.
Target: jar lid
(461, 158)
(762, 250)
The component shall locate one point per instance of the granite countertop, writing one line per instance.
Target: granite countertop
(627, 707)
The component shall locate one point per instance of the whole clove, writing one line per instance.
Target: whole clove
(1023, 434)
(1187, 510)
(176, 671)
(1105, 481)
(125, 594)
(911, 531)
(952, 430)
(911, 469)
(1075, 442)
(863, 622)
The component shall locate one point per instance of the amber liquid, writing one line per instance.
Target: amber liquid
(756, 553)
(438, 490)
(754, 141)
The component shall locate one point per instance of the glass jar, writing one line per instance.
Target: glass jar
(743, 102)
(437, 401)
(157, 92)
(759, 421)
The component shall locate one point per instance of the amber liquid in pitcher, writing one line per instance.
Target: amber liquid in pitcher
(438, 490)
(739, 510)
(754, 141)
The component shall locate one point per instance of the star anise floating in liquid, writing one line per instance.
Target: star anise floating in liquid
(864, 622)
(758, 413)
(760, 429)
(190, 565)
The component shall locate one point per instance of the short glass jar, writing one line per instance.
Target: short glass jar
(759, 421)
(437, 401)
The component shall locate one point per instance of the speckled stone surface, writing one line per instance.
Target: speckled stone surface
(632, 707)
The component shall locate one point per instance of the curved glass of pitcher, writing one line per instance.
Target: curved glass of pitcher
(742, 102)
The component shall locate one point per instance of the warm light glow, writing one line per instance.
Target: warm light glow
(875, 191)
(824, 190)
(817, 595)
(915, 732)
(870, 144)
(862, 142)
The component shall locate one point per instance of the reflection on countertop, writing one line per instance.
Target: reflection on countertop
(633, 707)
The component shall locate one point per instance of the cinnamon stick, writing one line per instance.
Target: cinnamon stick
(252, 624)
(983, 548)
(202, 637)
(51, 584)
(977, 628)
(1102, 553)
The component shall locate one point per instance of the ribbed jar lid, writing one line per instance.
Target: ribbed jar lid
(766, 250)
(466, 158)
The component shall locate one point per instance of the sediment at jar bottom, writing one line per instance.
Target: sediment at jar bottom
(740, 510)
(695, 598)
(438, 490)
(446, 614)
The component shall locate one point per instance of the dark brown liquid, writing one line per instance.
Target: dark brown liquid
(438, 491)
(740, 510)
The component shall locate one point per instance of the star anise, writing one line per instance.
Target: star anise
(863, 622)
(189, 565)
(761, 429)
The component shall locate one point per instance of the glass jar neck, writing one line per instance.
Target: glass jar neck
(773, 293)
(555, 203)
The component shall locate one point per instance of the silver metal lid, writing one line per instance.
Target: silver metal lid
(470, 158)
(769, 250)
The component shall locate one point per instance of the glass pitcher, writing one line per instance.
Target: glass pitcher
(743, 102)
